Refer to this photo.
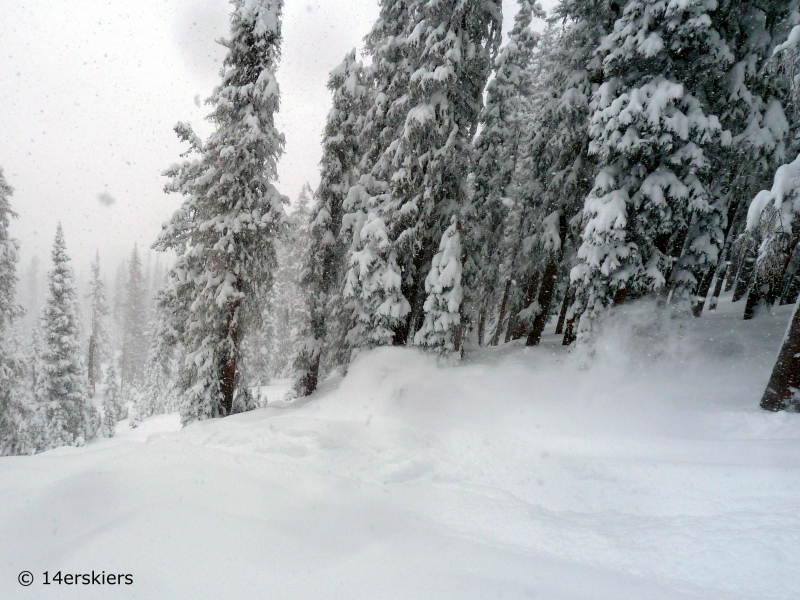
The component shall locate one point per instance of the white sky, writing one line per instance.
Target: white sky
(92, 88)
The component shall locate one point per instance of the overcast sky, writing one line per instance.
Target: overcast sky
(92, 88)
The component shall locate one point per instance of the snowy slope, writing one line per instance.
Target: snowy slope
(644, 472)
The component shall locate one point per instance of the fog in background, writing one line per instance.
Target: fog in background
(92, 89)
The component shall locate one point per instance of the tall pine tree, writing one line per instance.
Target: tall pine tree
(98, 335)
(323, 270)
(61, 383)
(224, 234)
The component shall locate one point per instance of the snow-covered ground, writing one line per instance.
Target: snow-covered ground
(646, 472)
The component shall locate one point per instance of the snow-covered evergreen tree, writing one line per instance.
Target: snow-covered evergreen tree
(431, 61)
(497, 148)
(134, 335)
(651, 218)
(373, 284)
(441, 330)
(61, 382)
(763, 120)
(285, 311)
(12, 363)
(224, 234)
(323, 270)
(99, 341)
(113, 409)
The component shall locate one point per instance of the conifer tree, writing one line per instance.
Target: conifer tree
(98, 335)
(323, 270)
(12, 364)
(651, 218)
(441, 330)
(432, 61)
(496, 151)
(286, 311)
(61, 383)
(134, 335)
(224, 234)
(762, 115)
(113, 408)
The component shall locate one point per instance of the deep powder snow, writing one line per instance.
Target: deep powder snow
(645, 471)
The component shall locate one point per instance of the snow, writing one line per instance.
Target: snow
(643, 471)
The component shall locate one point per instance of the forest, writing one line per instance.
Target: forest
(531, 333)
(471, 191)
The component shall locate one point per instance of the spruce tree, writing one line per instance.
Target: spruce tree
(113, 409)
(441, 327)
(12, 363)
(432, 61)
(98, 335)
(497, 148)
(323, 271)
(61, 383)
(134, 334)
(224, 234)
(286, 310)
(762, 115)
(651, 220)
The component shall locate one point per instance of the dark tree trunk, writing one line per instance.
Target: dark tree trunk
(753, 300)
(676, 251)
(745, 277)
(545, 297)
(481, 324)
(228, 383)
(569, 298)
(792, 289)
(712, 304)
(91, 365)
(735, 271)
(785, 378)
(520, 326)
(512, 324)
(308, 382)
(569, 331)
(496, 336)
(702, 291)
(619, 296)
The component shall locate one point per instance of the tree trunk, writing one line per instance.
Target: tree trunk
(735, 271)
(569, 298)
(519, 328)
(745, 277)
(496, 335)
(228, 383)
(91, 365)
(785, 378)
(702, 291)
(792, 289)
(569, 332)
(712, 304)
(758, 291)
(545, 297)
(619, 296)
(512, 324)
(481, 323)
(733, 216)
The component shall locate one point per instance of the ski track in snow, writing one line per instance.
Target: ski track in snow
(519, 473)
